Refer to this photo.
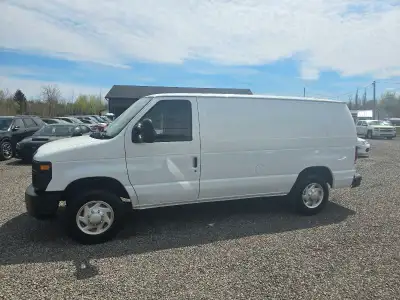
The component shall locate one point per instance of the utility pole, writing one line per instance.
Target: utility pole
(304, 92)
(374, 98)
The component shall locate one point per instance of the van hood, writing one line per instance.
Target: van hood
(82, 148)
(383, 126)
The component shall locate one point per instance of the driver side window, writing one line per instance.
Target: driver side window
(172, 120)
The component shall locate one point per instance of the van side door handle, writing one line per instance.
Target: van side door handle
(195, 162)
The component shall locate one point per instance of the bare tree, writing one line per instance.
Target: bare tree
(5, 94)
(51, 95)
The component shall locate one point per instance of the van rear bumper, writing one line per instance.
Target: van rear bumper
(356, 180)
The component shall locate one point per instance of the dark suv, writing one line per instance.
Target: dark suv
(15, 129)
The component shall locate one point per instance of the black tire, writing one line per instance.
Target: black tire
(6, 154)
(390, 138)
(75, 203)
(296, 195)
(369, 134)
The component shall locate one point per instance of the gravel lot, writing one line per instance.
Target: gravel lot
(237, 250)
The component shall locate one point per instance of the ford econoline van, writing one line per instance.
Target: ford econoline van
(174, 149)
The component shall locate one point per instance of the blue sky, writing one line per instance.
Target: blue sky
(330, 47)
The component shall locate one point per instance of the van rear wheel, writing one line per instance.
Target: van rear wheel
(310, 195)
(94, 217)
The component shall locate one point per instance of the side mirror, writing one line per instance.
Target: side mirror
(144, 132)
(15, 128)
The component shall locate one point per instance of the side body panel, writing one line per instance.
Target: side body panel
(258, 147)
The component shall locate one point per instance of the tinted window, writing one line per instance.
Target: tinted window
(5, 123)
(86, 121)
(19, 123)
(55, 130)
(84, 129)
(359, 123)
(50, 121)
(38, 121)
(29, 123)
(172, 120)
(66, 120)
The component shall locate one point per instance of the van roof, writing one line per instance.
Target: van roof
(266, 97)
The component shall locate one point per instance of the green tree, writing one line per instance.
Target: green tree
(20, 99)
(390, 103)
(81, 104)
(88, 104)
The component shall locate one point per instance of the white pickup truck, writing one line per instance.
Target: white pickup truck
(375, 128)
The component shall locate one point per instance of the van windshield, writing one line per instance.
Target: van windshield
(376, 123)
(119, 123)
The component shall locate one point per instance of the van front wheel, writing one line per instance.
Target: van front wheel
(94, 217)
(310, 195)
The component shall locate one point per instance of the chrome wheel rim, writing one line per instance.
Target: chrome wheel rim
(6, 150)
(95, 217)
(313, 195)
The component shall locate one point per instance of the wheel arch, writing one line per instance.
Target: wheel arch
(319, 171)
(95, 183)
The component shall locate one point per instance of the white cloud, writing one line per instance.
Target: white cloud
(31, 87)
(308, 72)
(328, 34)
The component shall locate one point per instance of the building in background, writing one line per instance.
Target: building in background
(120, 97)
(361, 114)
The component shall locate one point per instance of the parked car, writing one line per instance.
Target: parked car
(70, 119)
(201, 154)
(375, 128)
(107, 119)
(13, 130)
(28, 146)
(394, 121)
(53, 121)
(363, 147)
(111, 116)
(101, 125)
(94, 123)
(99, 119)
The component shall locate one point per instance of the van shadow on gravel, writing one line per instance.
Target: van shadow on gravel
(26, 240)
(18, 162)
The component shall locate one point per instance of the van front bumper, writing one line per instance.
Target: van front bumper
(39, 204)
(356, 181)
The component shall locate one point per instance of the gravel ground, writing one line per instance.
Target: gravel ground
(237, 250)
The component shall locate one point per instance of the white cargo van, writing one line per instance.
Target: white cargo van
(172, 149)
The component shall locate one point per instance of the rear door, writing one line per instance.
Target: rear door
(166, 171)
(30, 125)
